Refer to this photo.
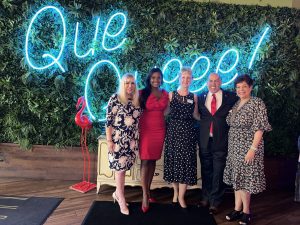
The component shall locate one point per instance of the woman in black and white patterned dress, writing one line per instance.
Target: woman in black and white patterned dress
(180, 162)
(245, 161)
(122, 133)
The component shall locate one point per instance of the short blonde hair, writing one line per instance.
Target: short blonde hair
(185, 69)
(122, 92)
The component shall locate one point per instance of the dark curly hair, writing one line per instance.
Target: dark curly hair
(242, 78)
(147, 90)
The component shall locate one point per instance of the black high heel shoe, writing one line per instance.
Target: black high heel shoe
(245, 220)
(175, 204)
(183, 209)
(234, 215)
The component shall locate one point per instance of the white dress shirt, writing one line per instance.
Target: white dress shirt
(209, 98)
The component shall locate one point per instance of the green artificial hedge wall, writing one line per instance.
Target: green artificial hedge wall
(38, 107)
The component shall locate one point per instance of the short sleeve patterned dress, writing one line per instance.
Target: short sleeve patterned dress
(124, 120)
(251, 117)
(180, 157)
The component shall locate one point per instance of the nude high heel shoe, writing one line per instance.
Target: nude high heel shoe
(115, 198)
(123, 205)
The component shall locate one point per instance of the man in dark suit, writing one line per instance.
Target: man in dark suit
(213, 107)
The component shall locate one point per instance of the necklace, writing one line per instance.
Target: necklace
(183, 96)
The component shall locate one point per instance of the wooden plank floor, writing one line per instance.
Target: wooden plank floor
(270, 207)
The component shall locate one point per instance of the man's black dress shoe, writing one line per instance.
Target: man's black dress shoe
(213, 210)
(203, 203)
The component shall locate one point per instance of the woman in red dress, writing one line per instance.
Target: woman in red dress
(154, 101)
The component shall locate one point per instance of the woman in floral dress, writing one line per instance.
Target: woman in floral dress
(245, 161)
(122, 119)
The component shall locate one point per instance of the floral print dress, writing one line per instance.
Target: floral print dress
(124, 120)
(251, 117)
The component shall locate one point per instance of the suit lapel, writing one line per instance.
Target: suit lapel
(224, 100)
(203, 100)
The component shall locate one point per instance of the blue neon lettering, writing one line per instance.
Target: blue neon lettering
(203, 74)
(166, 66)
(230, 81)
(88, 80)
(106, 32)
(113, 38)
(222, 58)
(231, 68)
(257, 46)
(46, 55)
(207, 67)
(91, 50)
(54, 59)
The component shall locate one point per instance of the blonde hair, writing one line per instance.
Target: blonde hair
(122, 91)
(185, 69)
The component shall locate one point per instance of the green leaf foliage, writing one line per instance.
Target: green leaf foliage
(38, 107)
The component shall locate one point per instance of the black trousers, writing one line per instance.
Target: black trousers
(297, 185)
(213, 162)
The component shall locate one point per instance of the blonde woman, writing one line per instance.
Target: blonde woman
(180, 162)
(122, 119)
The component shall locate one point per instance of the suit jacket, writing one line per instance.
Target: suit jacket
(220, 127)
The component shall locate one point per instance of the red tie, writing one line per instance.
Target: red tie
(213, 109)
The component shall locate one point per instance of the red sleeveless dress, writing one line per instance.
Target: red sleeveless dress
(152, 127)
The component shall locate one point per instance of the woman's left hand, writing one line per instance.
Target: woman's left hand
(249, 158)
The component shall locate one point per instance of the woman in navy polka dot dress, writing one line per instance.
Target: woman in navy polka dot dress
(180, 161)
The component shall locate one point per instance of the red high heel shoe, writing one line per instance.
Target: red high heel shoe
(152, 200)
(145, 209)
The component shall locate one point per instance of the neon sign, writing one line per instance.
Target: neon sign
(114, 39)
(45, 55)
(91, 50)
(107, 34)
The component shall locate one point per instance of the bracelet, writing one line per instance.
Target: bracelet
(109, 141)
(253, 148)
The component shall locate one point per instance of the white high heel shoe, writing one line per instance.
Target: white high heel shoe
(123, 205)
(116, 198)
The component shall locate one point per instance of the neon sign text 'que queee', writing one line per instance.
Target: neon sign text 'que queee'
(118, 37)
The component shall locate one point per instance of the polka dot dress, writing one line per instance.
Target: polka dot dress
(180, 162)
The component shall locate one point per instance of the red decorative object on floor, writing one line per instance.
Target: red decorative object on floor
(84, 122)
